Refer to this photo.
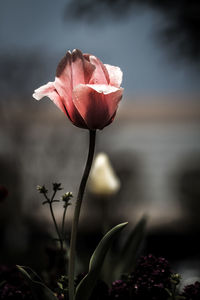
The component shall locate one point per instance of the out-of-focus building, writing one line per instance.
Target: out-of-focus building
(154, 148)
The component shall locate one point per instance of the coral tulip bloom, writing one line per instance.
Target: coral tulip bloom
(85, 89)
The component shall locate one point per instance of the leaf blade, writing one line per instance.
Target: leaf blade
(131, 248)
(86, 286)
(39, 289)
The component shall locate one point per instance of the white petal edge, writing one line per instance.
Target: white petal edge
(115, 75)
(43, 91)
(103, 88)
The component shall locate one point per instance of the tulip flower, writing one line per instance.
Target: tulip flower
(85, 89)
(88, 92)
(103, 181)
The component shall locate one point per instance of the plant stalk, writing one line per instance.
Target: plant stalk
(50, 201)
(71, 271)
(56, 227)
(63, 223)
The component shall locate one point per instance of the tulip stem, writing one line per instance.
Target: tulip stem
(77, 209)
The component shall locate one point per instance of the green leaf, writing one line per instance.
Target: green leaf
(87, 284)
(128, 256)
(39, 289)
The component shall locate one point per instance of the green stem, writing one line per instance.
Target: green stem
(174, 292)
(77, 214)
(50, 201)
(56, 227)
(63, 222)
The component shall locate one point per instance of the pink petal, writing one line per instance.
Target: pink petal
(103, 88)
(72, 70)
(49, 91)
(64, 86)
(64, 73)
(100, 74)
(68, 104)
(97, 104)
(82, 69)
(115, 75)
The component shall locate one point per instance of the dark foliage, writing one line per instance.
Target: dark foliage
(12, 284)
(181, 29)
(149, 281)
(192, 291)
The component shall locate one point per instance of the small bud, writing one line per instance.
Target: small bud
(66, 198)
(103, 181)
(57, 187)
(42, 189)
(63, 283)
(175, 278)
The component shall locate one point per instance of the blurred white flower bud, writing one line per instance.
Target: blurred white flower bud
(103, 181)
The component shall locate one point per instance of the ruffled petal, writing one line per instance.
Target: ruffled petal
(103, 88)
(63, 80)
(68, 104)
(72, 70)
(115, 75)
(50, 91)
(100, 74)
(97, 104)
(82, 69)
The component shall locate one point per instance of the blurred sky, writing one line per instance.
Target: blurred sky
(39, 25)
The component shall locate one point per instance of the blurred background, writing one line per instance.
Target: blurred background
(153, 144)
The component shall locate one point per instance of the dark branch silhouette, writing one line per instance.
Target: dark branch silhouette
(181, 29)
